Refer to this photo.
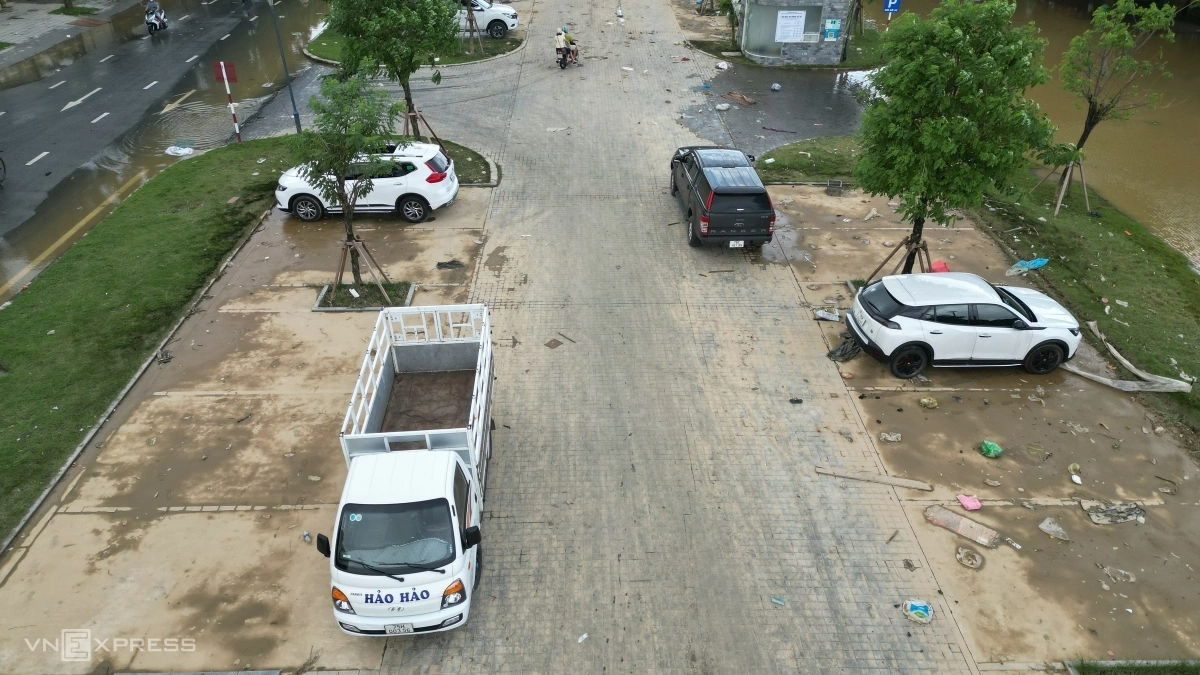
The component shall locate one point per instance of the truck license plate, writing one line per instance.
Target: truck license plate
(737, 244)
(398, 628)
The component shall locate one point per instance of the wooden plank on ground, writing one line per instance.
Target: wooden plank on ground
(875, 478)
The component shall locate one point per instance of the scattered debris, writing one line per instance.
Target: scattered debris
(722, 107)
(992, 483)
(928, 402)
(1052, 528)
(778, 600)
(969, 502)
(962, 526)
(889, 438)
(306, 537)
(918, 610)
(889, 539)
(449, 265)
(627, 68)
(583, 637)
(769, 160)
(1107, 513)
(847, 435)
(908, 565)
(795, 401)
(845, 351)
(826, 315)
(876, 478)
(782, 131)
(1074, 468)
(721, 65)
(315, 479)
(990, 449)
(248, 415)
(957, 399)
(176, 151)
(1117, 575)
(739, 97)
(1174, 489)
(1150, 383)
(968, 558)
(1024, 267)
(554, 343)
(165, 356)
(1012, 543)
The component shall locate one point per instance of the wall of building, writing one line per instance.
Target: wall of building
(760, 19)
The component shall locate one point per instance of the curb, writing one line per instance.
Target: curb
(331, 62)
(412, 289)
(33, 508)
(493, 175)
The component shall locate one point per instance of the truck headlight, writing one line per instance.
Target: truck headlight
(340, 602)
(454, 594)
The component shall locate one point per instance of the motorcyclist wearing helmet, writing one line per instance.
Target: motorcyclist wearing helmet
(572, 46)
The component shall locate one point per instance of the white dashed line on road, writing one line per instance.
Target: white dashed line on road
(37, 158)
(99, 118)
(194, 57)
(79, 100)
(107, 58)
(226, 36)
(58, 85)
(150, 85)
(183, 17)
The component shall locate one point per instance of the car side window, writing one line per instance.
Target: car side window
(689, 168)
(401, 169)
(993, 316)
(461, 488)
(953, 315)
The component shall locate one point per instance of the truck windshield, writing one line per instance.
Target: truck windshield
(396, 538)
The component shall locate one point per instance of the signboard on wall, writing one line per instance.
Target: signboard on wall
(789, 25)
(833, 29)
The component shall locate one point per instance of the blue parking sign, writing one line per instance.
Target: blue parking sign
(891, 6)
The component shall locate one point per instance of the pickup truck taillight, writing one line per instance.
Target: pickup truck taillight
(436, 176)
(771, 220)
(703, 224)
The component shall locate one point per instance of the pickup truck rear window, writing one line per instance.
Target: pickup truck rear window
(879, 302)
(740, 203)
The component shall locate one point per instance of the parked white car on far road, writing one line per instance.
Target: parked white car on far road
(910, 321)
(495, 20)
(422, 180)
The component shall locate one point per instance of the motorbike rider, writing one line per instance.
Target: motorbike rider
(154, 10)
(560, 43)
(572, 46)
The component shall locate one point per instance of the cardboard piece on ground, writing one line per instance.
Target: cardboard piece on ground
(875, 478)
(980, 534)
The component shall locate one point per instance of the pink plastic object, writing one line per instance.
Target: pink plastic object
(969, 502)
(939, 266)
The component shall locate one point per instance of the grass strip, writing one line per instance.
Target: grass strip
(77, 10)
(1171, 668)
(328, 45)
(5, 45)
(71, 341)
(368, 294)
(815, 159)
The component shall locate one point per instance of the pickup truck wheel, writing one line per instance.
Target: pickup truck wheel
(1043, 358)
(908, 362)
(497, 30)
(307, 208)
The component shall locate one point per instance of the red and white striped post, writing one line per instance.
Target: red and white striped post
(225, 73)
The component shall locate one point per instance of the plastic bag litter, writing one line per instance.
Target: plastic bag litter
(722, 65)
(177, 151)
(968, 558)
(776, 87)
(918, 610)
(722, 107)
(889, 438)
(1026, 266)
(969, 502)
(928, 402)
(939, 266)
(1052, 528)
(827, 315)
(990, 449)
(769, 160)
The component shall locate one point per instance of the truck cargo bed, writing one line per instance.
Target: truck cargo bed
(422, 401)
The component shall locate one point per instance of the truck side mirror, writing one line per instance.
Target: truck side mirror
(471, 537)
(323, 545)
(751, 158)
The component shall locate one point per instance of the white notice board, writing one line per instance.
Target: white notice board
(789, 26)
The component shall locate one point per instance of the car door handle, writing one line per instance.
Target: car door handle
(985, 336)
(935, 332)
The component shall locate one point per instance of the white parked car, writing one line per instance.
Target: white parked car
(495, 20)
(422, 180)
(911, 321)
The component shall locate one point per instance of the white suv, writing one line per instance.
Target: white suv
(947, 319)
(422, 179)
(495, 20)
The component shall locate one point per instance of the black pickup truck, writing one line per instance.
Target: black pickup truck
(722, 197)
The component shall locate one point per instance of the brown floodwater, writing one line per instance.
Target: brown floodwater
(1146, 166)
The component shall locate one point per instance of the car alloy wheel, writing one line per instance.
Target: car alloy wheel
(1043, 359)
(909, 362)
(306, 209)
(497, 30)
(413, 209)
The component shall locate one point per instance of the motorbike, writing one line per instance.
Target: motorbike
(562, 58)
(156, 21)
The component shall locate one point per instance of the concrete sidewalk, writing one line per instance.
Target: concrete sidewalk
(32, 29)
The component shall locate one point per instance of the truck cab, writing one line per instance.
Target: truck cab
(404, 554)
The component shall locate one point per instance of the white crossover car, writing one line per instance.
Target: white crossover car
(422, 179)
(911, 321)
(495, 20)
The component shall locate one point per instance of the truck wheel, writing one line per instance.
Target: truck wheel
(497, 30)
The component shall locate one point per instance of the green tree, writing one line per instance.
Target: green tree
(395, 37)
(947, 117)
(354, 119)
(1102, 65)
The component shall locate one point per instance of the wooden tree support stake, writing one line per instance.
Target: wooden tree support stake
(364, 255)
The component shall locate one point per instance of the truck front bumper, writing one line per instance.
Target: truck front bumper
(434, 622)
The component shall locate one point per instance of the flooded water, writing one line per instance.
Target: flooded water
(1147, 165)
(201, 119)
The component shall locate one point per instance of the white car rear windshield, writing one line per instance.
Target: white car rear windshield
(439, 162)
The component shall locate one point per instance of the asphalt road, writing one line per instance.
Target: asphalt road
(53, 126)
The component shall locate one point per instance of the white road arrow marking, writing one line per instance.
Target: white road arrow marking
(171, 106)
(79, 100)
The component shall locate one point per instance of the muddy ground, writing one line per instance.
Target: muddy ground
(1050, 600)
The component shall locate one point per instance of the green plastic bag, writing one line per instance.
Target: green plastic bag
(990, 449)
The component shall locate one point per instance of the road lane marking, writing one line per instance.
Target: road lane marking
(183, 17)
(171, 106)
(149, 85)
(2, 112)
(58, 85)
(226, 36)
(194, 57)
(79, 100)
(99, 118)
(107, 58)
(70, 233)
(37, 158)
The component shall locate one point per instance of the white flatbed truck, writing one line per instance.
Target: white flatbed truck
(405, 549)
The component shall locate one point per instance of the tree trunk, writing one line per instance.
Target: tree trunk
(348, 218)
(69, 4)
(1089, 123)
(914, 240)
(410, 108)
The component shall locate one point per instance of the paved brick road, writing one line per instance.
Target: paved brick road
(652, 486)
